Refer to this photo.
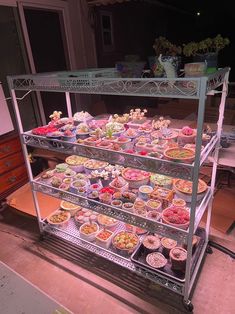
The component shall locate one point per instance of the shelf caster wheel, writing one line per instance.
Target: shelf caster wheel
(209, 249)
(188, 305)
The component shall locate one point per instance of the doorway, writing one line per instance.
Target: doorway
(45, 30)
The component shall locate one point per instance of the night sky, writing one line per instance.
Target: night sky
(215, 18)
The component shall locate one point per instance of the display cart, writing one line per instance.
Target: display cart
(108, 82)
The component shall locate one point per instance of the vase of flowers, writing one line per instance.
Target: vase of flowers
(206, 50)
(167, 52)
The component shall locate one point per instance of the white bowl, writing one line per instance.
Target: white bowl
(88, 237)
(62, 224)
(135, 183)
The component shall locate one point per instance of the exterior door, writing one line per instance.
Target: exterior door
(48, 44)
(13, 61)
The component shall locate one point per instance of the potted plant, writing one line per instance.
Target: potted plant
(206, 50)
(168, 52)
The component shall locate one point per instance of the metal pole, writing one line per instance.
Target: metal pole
(217, 148)
(200, 121)
(25, 153)
(68, 103)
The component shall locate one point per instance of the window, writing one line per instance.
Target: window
(107, 31)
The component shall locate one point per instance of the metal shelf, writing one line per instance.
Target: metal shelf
(169, 168)
(122, 215)
(107, 81)
(71, 234)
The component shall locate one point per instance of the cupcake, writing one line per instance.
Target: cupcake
(167, 245)
(151, 243)
(178, 257)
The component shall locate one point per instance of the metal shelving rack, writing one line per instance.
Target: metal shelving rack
(107, 81)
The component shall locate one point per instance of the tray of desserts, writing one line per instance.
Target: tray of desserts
(166, 256)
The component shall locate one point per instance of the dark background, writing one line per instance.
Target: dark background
(137, 23)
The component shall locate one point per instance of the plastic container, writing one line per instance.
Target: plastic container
(104, 238)
(145, 191)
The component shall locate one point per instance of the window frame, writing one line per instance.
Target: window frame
(107, 48)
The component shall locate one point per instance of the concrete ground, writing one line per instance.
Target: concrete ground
(93, 287)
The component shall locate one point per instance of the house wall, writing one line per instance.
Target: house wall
(82, 34)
